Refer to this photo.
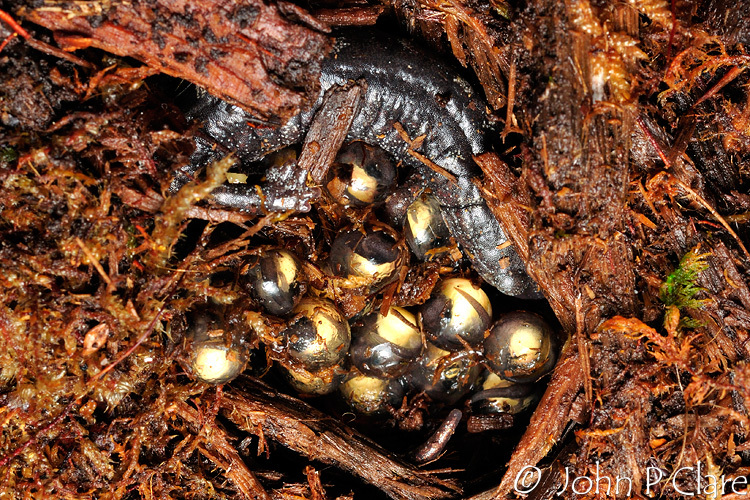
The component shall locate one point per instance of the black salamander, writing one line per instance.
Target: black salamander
(404, 85)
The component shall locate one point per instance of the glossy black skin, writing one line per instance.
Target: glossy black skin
(404, 85)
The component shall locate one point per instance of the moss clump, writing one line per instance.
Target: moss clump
(680, 289)
(8, 155)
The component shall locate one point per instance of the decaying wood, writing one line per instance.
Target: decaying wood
(262, 411)
(352, 16)
(245, 52)
(555, 412)
(222, 453)
(577, 165)
(328, 130)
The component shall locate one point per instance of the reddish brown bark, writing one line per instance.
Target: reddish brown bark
(245, 52)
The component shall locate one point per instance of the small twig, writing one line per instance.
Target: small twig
(217, 215)
(416, 143)
(7, 40)
(329, 129)
(95, 262)
(8, 19)
(40, 45)
(510, 118)
(654, 142)
(434, 166)
(259, 410)
(435, 445)
(673, 30)
(711, 209)
(316, 487)
(725, 80)
(583, 349)
(350, 16)
(54, 51)
(224, 455)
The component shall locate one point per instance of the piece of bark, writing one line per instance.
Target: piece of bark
(328, 130)
(221, 452)
(244, 52)
(259, 410)
(351, 16)
(576, 171)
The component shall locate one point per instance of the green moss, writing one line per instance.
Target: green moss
(680, 290)
(8, 155)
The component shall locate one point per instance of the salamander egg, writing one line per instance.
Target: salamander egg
(362, 175)
(218, 354)
(371, 258)
(385, 345)
(275, 279)
(520, 347)
(319, 337)
(444, 376)
(369, 395)
(458, 312)
(315, 383)
(503, 396)
(424, 228)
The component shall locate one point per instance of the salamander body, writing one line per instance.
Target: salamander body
(403, 85)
